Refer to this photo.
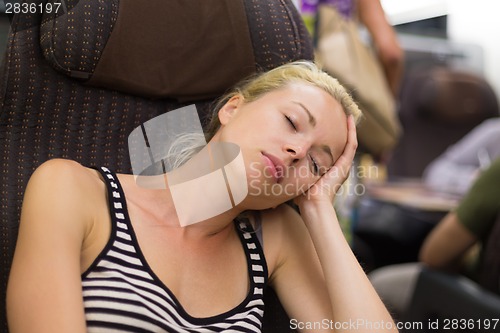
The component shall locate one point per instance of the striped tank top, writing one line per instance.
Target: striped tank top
(122, 294)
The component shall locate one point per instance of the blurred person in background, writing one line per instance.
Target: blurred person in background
(455, 170)
(455, 245)
(371, 14)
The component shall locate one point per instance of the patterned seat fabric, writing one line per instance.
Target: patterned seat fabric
(46, 113)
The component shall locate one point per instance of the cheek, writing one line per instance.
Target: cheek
(254, 171)
(338, 147)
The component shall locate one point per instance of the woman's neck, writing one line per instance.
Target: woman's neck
(161, 212)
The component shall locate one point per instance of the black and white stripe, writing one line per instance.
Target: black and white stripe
(122, 294)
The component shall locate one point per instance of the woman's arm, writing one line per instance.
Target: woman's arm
(471, 222)
(44, 291)
(372, 15)
(320, 280)
(445, 247)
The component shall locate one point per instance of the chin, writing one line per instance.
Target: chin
(262, 201)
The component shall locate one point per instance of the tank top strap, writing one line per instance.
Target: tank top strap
(116, 200)
(257, 265)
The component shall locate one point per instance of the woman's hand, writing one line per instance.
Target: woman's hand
(328, 185)
(351, 297)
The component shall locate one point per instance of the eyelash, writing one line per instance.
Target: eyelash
(315, 165)
(291, 122)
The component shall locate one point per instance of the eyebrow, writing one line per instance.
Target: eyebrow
(312, 120)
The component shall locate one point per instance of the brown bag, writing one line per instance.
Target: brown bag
(343, 54)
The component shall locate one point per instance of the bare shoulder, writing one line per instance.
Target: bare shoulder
(284, 221)
(284, 233)
(62, 168)
(64, 185)
(62, 173)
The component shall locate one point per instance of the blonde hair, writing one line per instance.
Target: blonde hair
(295, 72)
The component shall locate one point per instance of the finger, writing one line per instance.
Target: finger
(340, 170)
(352, 139)
(344, 162)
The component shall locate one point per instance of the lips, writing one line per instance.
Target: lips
(275, 165)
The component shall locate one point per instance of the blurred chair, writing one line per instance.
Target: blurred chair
(74, 84)
(438, 106)
(440, 296)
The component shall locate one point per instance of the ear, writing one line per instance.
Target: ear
(230, 109)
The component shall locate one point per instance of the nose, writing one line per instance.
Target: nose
(295, 151)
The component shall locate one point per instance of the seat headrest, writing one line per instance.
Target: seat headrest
(186, 50)
(450, 96)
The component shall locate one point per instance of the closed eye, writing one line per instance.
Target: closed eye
(290, 121)
(315, 166)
